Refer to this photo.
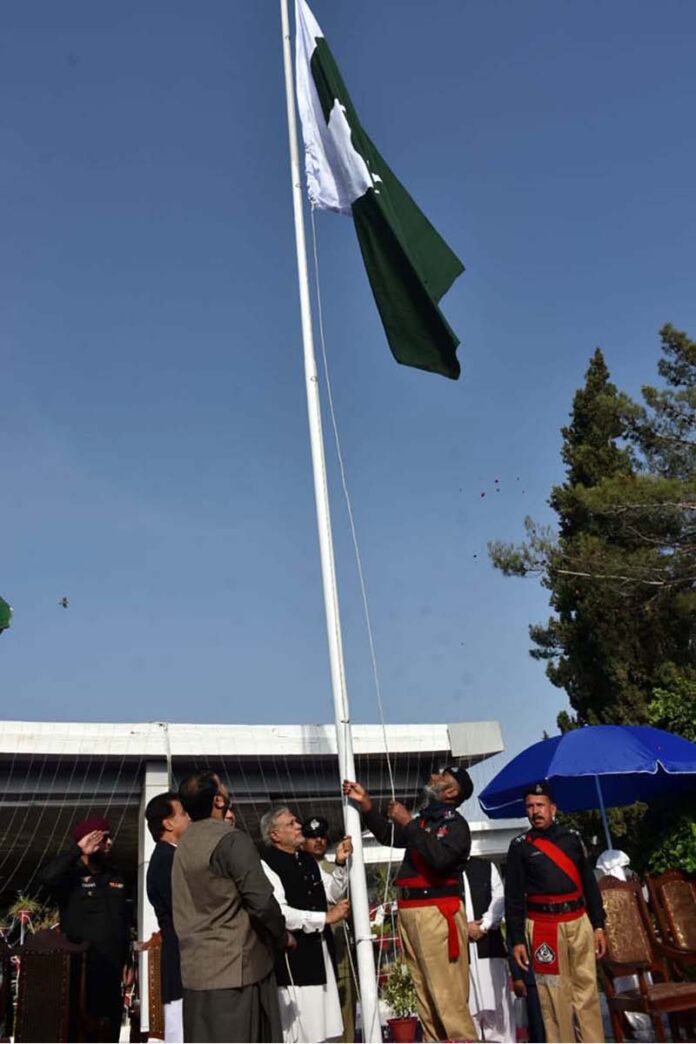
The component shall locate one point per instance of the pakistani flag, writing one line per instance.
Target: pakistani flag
(408, 263)
(5, 615)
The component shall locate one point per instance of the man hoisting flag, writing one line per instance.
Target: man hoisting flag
(409, 265)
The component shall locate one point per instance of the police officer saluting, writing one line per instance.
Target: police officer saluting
(91, 898)
(432, 921)
(555, 920)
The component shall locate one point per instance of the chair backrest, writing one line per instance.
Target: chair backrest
(155, 1005)
(51, 988)
(629, 938)
(673, 898)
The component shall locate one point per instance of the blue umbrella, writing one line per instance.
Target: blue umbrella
(597, 766)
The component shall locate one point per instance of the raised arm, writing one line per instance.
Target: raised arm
(386, 832)
(441, 853)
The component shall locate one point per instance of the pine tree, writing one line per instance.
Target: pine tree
(620, 569)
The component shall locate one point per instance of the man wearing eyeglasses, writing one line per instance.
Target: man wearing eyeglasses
(92, 901)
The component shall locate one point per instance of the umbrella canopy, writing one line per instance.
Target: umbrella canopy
(593, 766)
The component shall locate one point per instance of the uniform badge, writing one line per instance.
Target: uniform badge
(544, 954)
(442, 832)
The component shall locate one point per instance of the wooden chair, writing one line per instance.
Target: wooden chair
(632, 949)
(673, 900)
(51, 988)
(155, 1005)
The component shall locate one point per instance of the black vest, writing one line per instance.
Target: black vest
(478, 872)
(305, 891)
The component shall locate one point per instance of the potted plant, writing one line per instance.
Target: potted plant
(24, 909)
(400, 994)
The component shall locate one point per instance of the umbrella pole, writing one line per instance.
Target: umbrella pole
(603, 810)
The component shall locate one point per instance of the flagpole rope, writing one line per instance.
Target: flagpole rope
(349, 507)
(358, 558)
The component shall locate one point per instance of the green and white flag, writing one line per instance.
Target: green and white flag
(409, 265)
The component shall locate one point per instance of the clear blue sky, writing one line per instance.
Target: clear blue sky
(155, 460)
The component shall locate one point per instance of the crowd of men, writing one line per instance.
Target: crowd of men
(256, 947)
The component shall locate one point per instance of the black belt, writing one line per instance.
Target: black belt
(557, 908)
(430, 893)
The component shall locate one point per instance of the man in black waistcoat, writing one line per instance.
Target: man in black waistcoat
(91, 896)
(490, 999)
(167, 821)
(310, 1008)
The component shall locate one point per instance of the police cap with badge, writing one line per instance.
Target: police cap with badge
(541, 789)
(315, 826)
(463, 779)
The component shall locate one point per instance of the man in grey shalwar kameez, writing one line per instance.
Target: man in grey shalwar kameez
(228, 924)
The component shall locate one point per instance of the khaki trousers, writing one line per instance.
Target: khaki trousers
(442, 986)
(572, 993)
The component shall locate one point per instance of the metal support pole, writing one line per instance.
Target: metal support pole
(603, 810)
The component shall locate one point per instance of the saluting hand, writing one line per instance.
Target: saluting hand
(90, 843)
(357, 793)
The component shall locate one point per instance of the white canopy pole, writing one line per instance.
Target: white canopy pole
(603, 810)
(358, 884)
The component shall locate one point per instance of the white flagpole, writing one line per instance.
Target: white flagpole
(344, 740)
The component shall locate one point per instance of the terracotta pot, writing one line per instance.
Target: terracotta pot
(403, 1031)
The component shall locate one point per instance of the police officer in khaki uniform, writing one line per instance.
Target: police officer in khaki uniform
(432, 920)
(555, 920)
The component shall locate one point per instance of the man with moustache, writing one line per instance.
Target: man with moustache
(315, 831)
(555, 920)
(91, 897)
(432, 919)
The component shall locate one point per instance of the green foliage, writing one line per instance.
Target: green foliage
(399, 992)
(380, 883)
(672, 846)
(672, 830)
(665, 433)
(674, 707)
(24, 903)
(621, 572)
(620, 568)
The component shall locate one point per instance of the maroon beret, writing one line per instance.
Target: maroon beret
(81, 830)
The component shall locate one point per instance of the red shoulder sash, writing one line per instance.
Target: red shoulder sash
(558, 856)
